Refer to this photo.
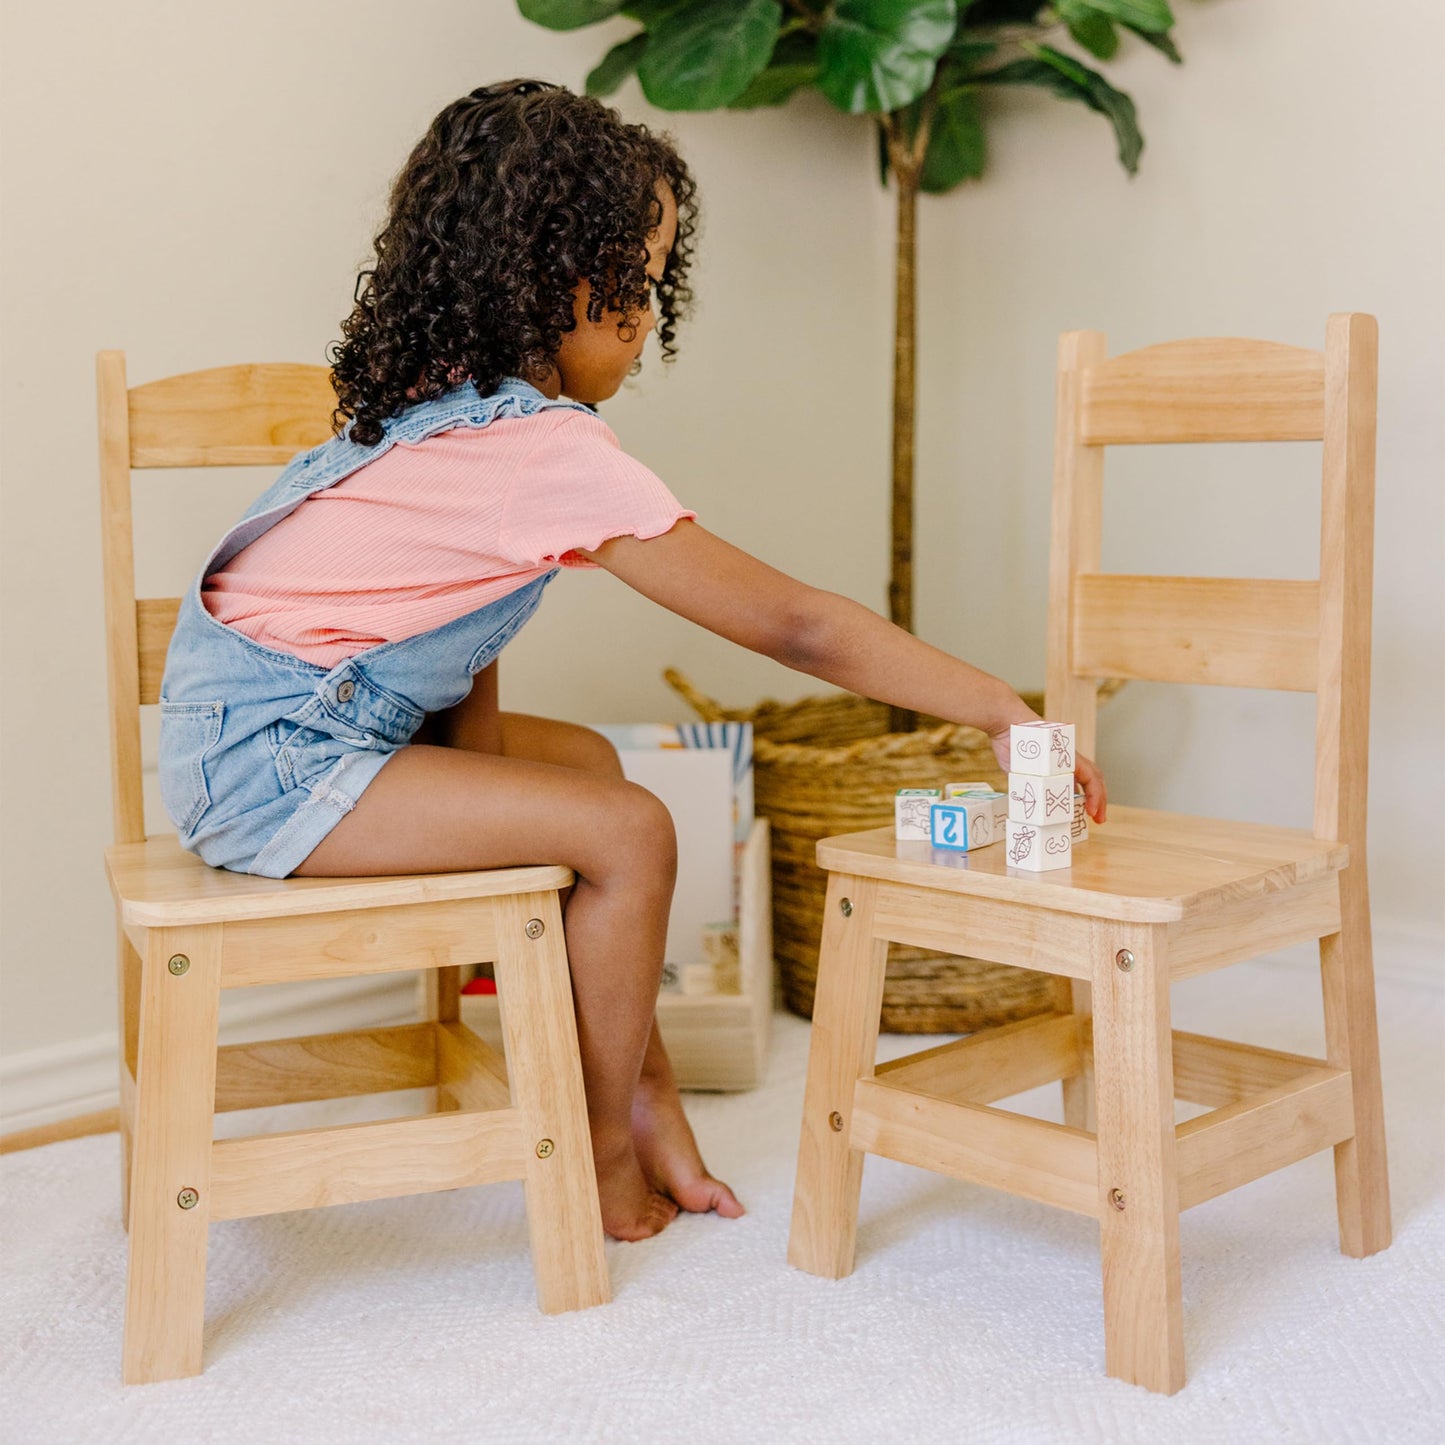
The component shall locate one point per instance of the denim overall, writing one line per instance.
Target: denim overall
(262, 753)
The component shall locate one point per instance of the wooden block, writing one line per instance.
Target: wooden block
(1041, 748)
(1039, 850)
(699, 980)
(1079, 823)
(910, 812)
(963, 823)
(982, 790)
(1043, 799)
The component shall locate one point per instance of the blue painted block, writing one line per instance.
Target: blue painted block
(964, 823)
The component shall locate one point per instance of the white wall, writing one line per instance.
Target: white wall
(197, 184)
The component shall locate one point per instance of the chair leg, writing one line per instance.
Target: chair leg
(1138, 1183)
(1071, 995)
(443, 989)
(127, 993)
(1352, 1041)
(843, 1049)
(539, 1029)
(171, 1154)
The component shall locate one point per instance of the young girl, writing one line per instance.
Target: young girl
(330, 696)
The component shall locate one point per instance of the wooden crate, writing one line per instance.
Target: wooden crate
(718, 1042)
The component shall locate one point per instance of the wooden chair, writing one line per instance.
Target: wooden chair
(1151, 897)
(187, 931)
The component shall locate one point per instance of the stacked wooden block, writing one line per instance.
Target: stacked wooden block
(1041, 817)
(1043, 811)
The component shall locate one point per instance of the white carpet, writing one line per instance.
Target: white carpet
(972, 1315)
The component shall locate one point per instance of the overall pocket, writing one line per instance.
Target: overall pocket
(301, 753)
(189, 730)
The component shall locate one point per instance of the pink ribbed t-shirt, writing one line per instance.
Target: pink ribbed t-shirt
(430, 532)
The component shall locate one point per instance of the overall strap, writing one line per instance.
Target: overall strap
(339, 457)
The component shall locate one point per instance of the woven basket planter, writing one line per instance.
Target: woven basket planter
(829, 765)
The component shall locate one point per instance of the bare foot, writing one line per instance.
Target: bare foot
(668, 1153)
(631, 1209)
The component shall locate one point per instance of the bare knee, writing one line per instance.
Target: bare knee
(596, 754)
(640, 839)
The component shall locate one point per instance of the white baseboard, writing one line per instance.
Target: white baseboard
(44, 1086)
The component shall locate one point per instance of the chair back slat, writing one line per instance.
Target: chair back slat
(1216, 389)
(1227, 631)
(1305, 636)
(231, 416)
(228, 416)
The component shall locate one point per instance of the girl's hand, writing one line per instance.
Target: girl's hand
(1086, 772)
(1096, 796)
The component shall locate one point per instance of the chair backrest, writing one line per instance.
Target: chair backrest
(229, 416)
(1304, 636)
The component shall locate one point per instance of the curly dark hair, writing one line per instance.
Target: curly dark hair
(516, 194)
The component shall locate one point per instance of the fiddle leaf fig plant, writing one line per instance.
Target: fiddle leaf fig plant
(923, 71)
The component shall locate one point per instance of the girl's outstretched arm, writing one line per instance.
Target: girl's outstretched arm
(699, 576)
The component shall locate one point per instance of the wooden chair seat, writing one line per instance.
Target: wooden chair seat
(1144, 866)
(158, 884)
(1151, 897)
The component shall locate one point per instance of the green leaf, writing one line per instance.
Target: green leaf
(1148, 16)
(964, 56)
(1067, 77)
(794, 64)
(956, 146)
(1161, 42)
(652, 12)
(1003, 12)
(1090, 27)
(567, 14)
(616, 65)
(704, 54)
(879, 55)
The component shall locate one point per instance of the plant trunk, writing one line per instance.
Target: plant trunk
(900, 579)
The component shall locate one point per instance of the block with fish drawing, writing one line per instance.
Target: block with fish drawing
(964, 823)
(1041, 748)
(910, 813)
(1038, 849)
(1042, 799)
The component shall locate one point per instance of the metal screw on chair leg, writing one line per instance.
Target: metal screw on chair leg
(188, 1198)
(835, 1122)
(1116, 1198)
(1125, 959)
(535, 928)
(845, 907)
(545, 1148)
(178, 964)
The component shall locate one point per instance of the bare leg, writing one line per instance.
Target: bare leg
(666, 1148)
(663, 1138)
(441, 809)
(658, 1144)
